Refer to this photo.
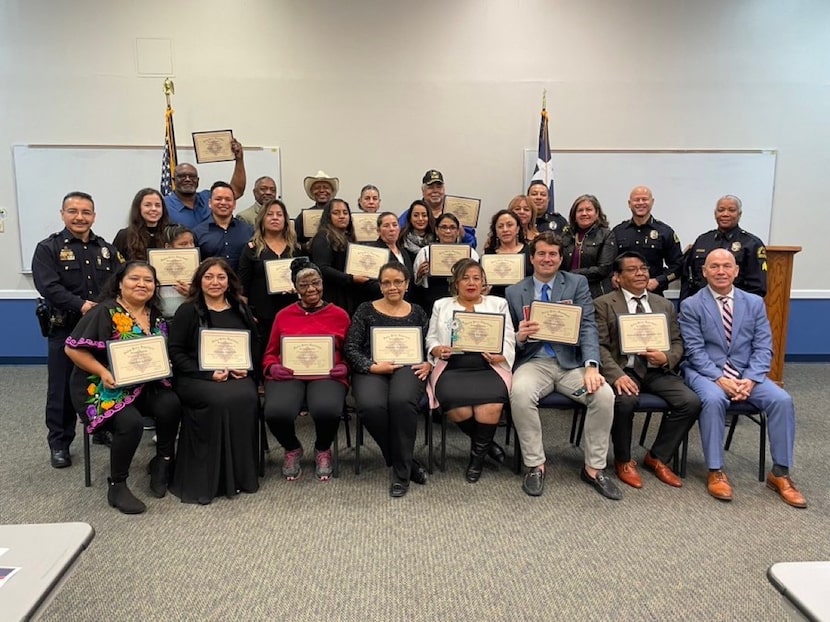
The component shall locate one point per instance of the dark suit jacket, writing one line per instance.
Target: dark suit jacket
(608, 308)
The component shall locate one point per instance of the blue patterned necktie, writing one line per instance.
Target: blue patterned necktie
(726, 316)
(546, 298)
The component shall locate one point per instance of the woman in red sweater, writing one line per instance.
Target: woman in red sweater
(286, 393)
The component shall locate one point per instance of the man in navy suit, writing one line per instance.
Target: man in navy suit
(728, 353)
(572, 370)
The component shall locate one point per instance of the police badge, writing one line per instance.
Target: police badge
(736, 246)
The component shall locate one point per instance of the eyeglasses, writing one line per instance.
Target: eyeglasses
(636, 269)
(186, 176)
(74, 212)
(396, 283)
(310, 285)
(448, 227)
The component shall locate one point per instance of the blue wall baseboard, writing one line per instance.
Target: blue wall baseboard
(808, 340)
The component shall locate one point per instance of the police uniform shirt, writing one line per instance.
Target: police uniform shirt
(68, 271)
(750, 257)
(215, 241)
(552, 222)
(658, 243)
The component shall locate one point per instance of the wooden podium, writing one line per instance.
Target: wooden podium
(777, 300)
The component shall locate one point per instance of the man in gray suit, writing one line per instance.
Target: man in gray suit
(653, 371)
(542, 367)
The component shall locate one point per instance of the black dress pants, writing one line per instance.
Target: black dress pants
(60, 413)
(324, 400)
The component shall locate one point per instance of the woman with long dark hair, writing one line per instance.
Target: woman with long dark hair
(588, 244)
(147, 220)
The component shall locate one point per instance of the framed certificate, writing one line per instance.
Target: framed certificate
(365, 226)
(308, 355)
(505, 269)
(397, 344)
(365, 260)
(278, 275)
(221, 349)
(642, 331)
(557, 322)
(143, 359)
(213, 146)
(173, 264)
(477, 332)
(442, 257)
(311, 221)
(465, 209)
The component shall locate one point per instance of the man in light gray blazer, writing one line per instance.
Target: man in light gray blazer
(542, 367)
(728, 354)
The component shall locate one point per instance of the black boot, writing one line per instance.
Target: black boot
(120, 497)
(495, 453)
(102, 437)
(479, 446)
(159, 470)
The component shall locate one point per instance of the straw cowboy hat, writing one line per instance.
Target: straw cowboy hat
(321, 176)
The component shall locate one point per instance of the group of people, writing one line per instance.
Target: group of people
(99, 292)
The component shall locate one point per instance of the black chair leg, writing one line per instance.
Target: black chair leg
(358, 441)
(644, 431)
(762, 446)
(335, 455)
(732, 427)
(443, 464)
(579, 418)
(428, 440)
(87, 461)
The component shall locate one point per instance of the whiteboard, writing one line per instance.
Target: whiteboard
(44, 174)
(685, 184)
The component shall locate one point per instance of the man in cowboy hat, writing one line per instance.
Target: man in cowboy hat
(321, 189)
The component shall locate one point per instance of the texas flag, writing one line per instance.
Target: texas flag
(544, 167)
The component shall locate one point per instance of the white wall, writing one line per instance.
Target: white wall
(379, 91)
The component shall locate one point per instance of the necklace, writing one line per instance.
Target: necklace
(224, 305)
(136, 314)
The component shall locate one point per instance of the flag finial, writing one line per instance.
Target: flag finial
(544, 99)
(169, 89)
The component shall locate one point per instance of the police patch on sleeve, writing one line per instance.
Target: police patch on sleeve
(762, 252)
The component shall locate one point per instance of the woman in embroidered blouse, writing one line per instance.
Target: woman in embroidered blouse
(147, 220)
(130, 309)
(273, 239)
(387, 394)
(506, 237)
(588, 245)
(218, 443)
(470, 387)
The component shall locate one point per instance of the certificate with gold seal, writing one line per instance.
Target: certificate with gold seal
(311, 221)
(173, 264)
(365, 260)
(309, 355)
(365, 226)
(477, 332)
(213, 146)
(442, 257)
(221, 349)
(465, 209)
(558, 322)
(503, 269)
(403, 345)
(644, 331)
(278, 275)
(143, 359)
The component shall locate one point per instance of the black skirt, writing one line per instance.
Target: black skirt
(469, 380)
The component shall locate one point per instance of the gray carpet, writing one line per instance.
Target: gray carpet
(343, 550)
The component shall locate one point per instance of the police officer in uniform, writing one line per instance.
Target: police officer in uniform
(546, 219)
(749, 251)
(69, 268)
(653, 239)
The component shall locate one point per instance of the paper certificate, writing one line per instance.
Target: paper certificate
(278, 275)
(365, 226)
(365, 260)
(143, 359)
(464, 208)
(221, 349)
(173, 264)
(505, 269)
(403, 345)
(308, 355)
(311, 221)
(557, 322)
(643, 331)
(477, 332)
(213, 146)
(442, 257)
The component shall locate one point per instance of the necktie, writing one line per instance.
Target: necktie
(726, 316)
(637, 363)
(546, 298)
(639, 308)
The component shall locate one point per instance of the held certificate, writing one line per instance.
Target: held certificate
(308, 355)
(278, 275)
(173, 264)
(477, 332)
(213, 146)
(221, 348)
(365, 260)
(557, 322)
(403, 345)
(642, 331)
(143, 359)
(504, 269)
(365, 226)
(311, 221)
(442, 257)
(465, 209)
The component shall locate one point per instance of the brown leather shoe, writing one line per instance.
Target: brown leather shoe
(718, 486)
(662, 471)
(627, 472)
(785, 487)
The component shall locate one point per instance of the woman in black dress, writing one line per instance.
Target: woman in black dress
(148, 218)
(218, 443)
(588, 245)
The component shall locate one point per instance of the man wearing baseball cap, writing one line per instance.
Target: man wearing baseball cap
(432, 191)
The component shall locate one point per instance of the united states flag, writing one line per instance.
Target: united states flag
(168, 158)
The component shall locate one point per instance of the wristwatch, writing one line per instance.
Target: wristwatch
(593, 364)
